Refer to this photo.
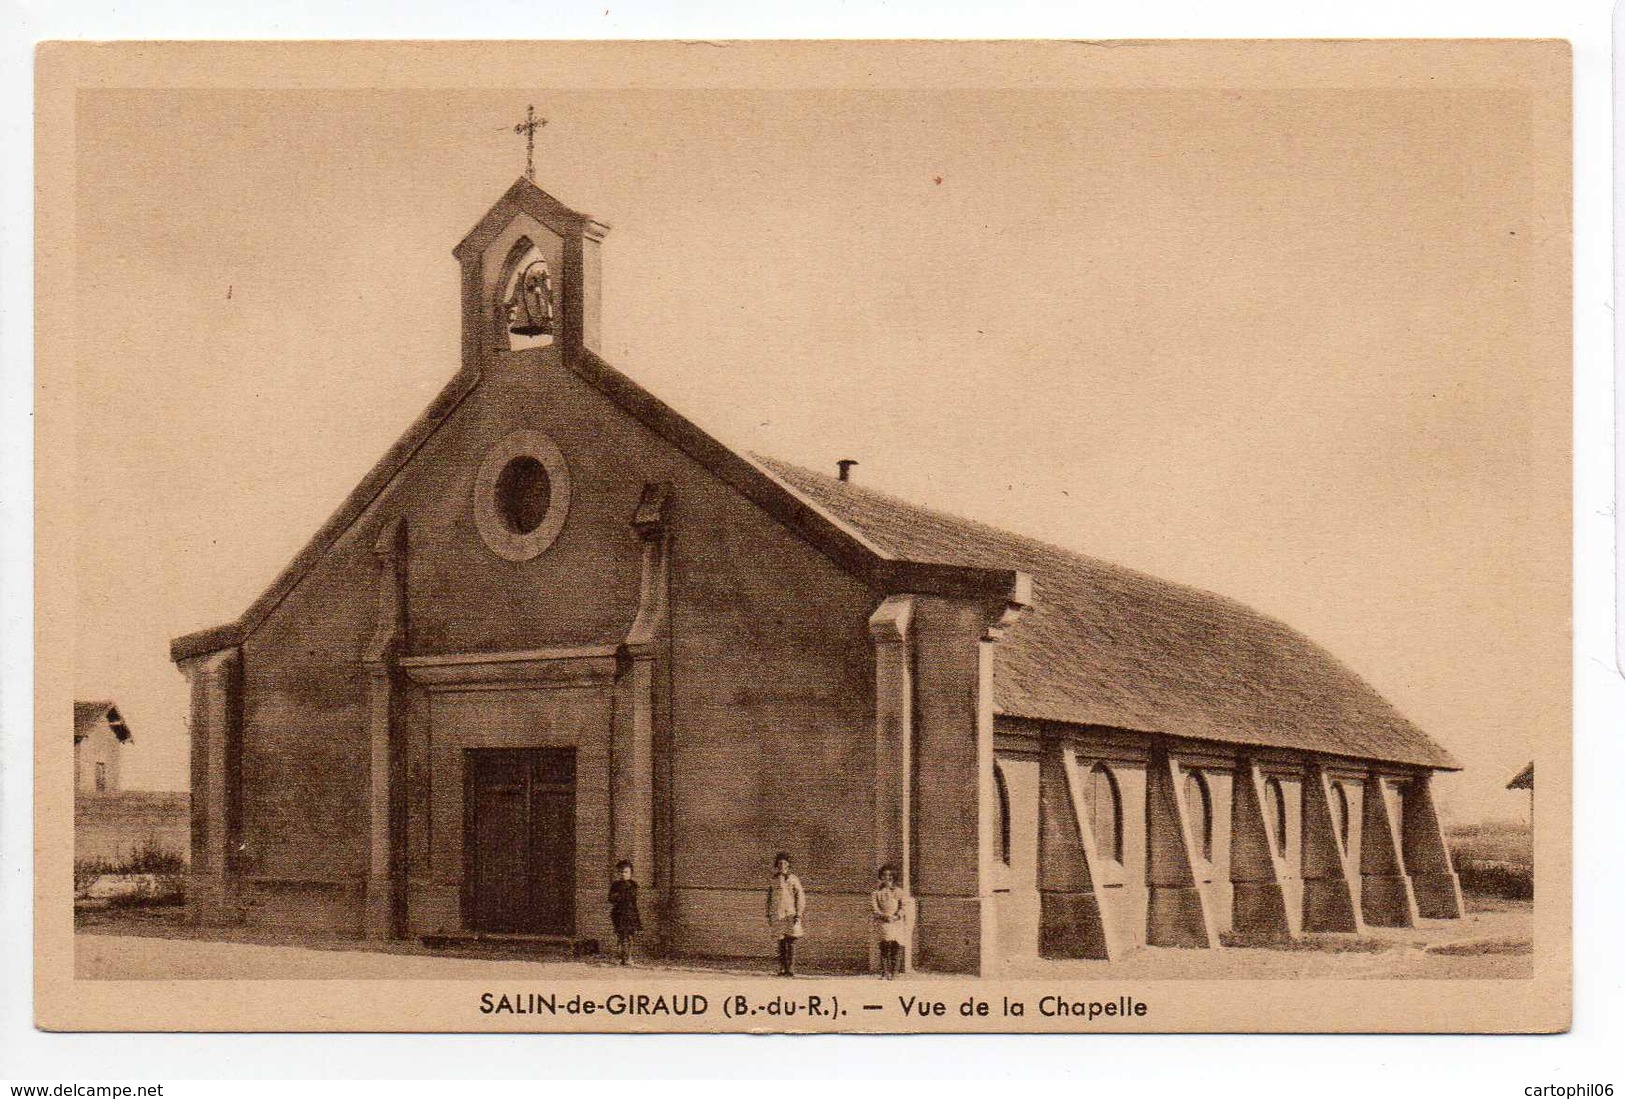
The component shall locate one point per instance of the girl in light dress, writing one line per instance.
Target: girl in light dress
(890, 906)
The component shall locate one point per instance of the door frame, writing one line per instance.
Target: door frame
(464, 684)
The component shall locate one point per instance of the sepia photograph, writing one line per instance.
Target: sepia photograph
(804, 536)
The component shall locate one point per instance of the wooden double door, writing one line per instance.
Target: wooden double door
(520, 840)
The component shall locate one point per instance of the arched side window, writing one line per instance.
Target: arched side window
(1199, 804)
(1004, 812)
(1340, 813)
(1399, 820)
(1106, 812)
(1275, 814)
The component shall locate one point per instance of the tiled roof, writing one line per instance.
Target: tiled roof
(87, 714)
(1104, 645)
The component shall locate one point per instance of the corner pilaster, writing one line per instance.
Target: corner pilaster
(383, 916)
(889, 633)
(213, 891)
(955, 808)
(632, 737)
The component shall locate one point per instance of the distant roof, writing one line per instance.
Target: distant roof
(1524, 779)
(87, 714)
(1104, 645)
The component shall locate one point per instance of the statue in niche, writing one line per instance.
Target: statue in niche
(530, 305)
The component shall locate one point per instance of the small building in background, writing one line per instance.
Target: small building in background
(1525, 780)
(111, 824)
(99, 736)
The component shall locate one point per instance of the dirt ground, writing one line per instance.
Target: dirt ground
(1493, 941)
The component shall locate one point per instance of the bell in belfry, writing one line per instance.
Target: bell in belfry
(530, 306)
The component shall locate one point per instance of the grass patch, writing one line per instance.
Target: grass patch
(1498, 841)
(1494, 859)
(1477, 902)
(1310, 944)
(149, 859)
(1485, 947)
(1506, 881)
(166, 867)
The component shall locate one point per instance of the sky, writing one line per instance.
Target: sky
(1278, 343)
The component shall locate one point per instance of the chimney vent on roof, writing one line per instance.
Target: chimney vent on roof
(845, 466)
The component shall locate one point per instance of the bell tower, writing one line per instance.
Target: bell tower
(530, 278)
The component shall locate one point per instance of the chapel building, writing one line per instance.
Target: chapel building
(559, 625)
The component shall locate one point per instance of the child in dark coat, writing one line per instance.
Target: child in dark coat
(623, 909)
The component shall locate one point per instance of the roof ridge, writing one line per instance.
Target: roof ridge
(1237, 666)
(1037, 544)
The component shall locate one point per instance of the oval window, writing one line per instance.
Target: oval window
(523, 493)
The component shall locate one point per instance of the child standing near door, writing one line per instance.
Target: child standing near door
(623, 910)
